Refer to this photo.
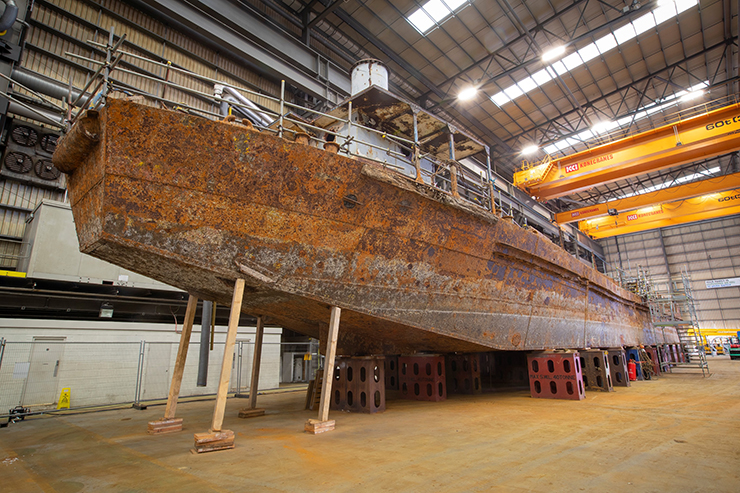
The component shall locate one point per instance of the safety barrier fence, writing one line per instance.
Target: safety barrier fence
(34, 374)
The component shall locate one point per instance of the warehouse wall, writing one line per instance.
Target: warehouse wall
(99, 361)
(707, 250)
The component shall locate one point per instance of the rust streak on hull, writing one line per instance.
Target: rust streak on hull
(196, 204)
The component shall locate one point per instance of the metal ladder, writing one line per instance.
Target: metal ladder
(676, 308)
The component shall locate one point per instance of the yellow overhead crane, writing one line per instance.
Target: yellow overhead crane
(672, 194)
(703, 136)
(708, 206)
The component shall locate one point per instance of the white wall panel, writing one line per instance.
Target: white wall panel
(707, 250)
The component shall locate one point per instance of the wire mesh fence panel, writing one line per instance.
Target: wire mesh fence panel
(33, 374)
(13, 374)
(189, 385)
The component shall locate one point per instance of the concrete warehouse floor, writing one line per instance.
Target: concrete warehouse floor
(679, 433)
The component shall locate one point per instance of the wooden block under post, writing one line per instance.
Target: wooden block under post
(213, 440)
(251, 413)
(314, 426)
(164, 425)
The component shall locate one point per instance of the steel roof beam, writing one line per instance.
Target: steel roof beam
(246, 37)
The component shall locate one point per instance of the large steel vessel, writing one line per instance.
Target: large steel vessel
(197, 203)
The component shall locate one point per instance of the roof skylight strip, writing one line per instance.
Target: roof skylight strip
(643, 112)
(667, 9)
(433, 13)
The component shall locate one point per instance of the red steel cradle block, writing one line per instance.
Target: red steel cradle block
(555, 375)
(618, 367)
(422, 377)
(391, 372)
(359, 384)
(463, 373)
(595, 368)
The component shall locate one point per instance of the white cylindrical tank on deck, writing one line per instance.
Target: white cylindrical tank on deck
(369, 72)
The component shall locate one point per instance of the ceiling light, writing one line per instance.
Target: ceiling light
(553, 53)
(468, 93)
(691, 96)
(531, 149)
(666, 10)
(106, 310)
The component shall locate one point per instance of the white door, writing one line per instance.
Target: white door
(42, 383)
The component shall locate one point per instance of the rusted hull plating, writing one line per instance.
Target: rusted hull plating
(196, 204)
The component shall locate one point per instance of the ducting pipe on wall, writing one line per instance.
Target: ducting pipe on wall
(9, 16)
(255, 114)
(47, 86)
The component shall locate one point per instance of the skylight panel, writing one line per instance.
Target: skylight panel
(606, 43)
(513, 92)
(433, 13)
(572, 61)
(682, 5)
(625, 33)
(669, 101)
(500, 98)
(421, 20)
(541, 77)
(644, 23)
(436, 9)
(527, 84)
(588, 52)
(454, 4)
(559, 68)
(664, 12)
(700, 85)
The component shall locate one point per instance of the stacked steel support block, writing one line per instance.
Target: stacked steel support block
(422, 377)
(463, 373)
(633, 354)
(391, 372)
(555, 375)
(595, 368)
(666, 357)
(359, 385)
(618, 367)
(674, 353)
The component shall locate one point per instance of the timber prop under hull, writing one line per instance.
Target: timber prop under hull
(196, 204)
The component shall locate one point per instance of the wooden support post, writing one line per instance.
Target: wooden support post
(169, 423)
(323, 424)
(252, 411)
(216, 438)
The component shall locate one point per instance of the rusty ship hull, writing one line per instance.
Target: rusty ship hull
(197, 204)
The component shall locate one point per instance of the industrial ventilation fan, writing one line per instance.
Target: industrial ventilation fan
(24, 136)
(46, 170)
(30, 147)
(49, 143)
(17, 162)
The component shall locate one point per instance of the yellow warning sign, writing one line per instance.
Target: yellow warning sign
(64, 398)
